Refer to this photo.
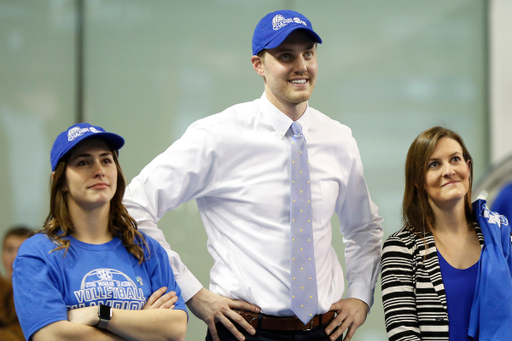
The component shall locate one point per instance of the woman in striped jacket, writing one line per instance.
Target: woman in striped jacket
(431, 267)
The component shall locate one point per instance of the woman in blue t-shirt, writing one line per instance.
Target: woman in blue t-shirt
(436, 271)
(90, 274)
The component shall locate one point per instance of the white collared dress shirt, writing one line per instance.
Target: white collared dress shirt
(236, 165)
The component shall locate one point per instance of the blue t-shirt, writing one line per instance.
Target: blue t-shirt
(459, 286)
(47, 284)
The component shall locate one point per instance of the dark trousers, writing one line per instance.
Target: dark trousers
(317, 334)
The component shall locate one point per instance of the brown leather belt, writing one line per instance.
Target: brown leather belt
(267, 322)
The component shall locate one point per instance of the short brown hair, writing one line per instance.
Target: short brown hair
(18, 231)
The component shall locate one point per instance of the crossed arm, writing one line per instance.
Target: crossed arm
(156, 321)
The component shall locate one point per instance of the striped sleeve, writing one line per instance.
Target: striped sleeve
(398, 291)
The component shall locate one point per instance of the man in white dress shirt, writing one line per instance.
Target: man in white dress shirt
(236, 165)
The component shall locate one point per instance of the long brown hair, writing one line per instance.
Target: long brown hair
(58, 224)
(417, 214)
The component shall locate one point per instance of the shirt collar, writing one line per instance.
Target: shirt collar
(279, 121)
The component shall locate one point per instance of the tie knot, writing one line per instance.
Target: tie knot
(296, 128)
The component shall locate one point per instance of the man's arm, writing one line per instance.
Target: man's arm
(187, 282)
(181, 173)
(362, 232)
(360, 225)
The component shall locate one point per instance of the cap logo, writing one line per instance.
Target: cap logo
(279, 21)
(75, 132)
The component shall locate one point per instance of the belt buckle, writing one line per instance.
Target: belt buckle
(252, 319)
(310, 325)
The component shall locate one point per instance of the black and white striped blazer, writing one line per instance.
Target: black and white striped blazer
(413, 292)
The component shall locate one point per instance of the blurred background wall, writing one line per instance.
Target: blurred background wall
(147, 69)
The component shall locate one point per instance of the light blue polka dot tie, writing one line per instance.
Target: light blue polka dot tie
(304, 295)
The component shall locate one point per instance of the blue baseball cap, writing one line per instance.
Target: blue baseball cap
(77, 133)
(273, 29)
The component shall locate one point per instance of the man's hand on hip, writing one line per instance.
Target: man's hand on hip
(213, 308)
(352, 313)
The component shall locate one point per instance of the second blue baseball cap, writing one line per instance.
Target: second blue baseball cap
(273, 29)
(77, 133)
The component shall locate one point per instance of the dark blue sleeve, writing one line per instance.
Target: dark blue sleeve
(506, 241)
(503, 202)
